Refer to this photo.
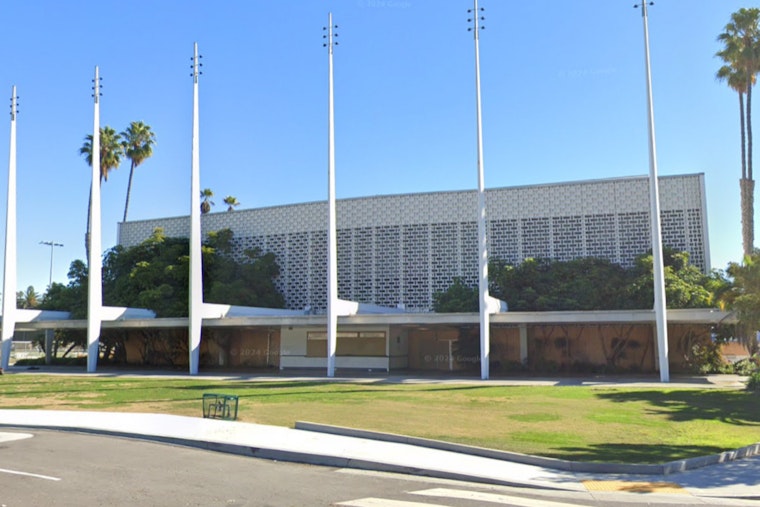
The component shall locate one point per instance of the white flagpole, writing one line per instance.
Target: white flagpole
(95, 284)
(332, 246)
(9, 271)
(485, 331)
(660, 307)
(195, 303)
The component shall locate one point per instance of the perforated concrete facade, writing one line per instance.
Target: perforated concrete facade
(401, 249)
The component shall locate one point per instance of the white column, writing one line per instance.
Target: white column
(49, 337)
(95, 285)
(660, 307)
(9, 271)
(485, 331)
(523, 344)
(195, 303)
(332, 242)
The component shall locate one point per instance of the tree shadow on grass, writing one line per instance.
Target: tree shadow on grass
(632, 453)
(739, 408)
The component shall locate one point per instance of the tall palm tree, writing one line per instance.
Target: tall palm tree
(736, 81)
(111, 151)
(137, 141)
(741, 56)
(231, 202)
(206, 195)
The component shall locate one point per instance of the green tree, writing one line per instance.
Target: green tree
(598, 284)
(111, 151)
(206, 195)
(741, 57)
(155, 275)
(457, 298)
(137, 142)
(547, 285)
(231, 202)
(685, 285)
(744, 297)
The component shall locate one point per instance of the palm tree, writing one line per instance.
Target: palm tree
(231, 202)
(137, 142)
(111, 152)
(206, 195)
(741, 56)
(27, 299)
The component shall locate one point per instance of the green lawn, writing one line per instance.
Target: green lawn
(633, 425)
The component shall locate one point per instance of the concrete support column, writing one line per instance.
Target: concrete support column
(49, 336)
(523, 344)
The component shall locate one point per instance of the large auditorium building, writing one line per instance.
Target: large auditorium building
(398, 250)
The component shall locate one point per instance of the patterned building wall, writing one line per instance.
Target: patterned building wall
(401, 249)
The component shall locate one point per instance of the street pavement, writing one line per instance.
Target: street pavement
(731, 475)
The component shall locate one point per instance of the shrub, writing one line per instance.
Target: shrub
(753, 384)
(746, 366)
(706, 358)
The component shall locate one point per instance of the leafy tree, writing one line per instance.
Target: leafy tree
(248, 281)
(744, 297)
(544, 285)
(111, 151)
(231, 202)
(685, 285)
(137, 142)
(598, 284)
(155, 275)
(206, 195)
(741, 57)
(71, 297)
(457, 298)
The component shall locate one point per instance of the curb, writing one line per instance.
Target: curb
(669, 468)
(290, 456)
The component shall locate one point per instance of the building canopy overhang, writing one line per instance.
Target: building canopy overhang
(705, 316)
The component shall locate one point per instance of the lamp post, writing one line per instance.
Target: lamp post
(52, 245)
(660, 307)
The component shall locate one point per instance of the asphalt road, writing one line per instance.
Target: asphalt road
(71, 469)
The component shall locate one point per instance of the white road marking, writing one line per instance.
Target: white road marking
(26, 474)
(10, 437)
(490, 498)
(382, 502)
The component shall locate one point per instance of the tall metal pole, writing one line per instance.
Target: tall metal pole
(485, 331)
(195, 303)
(9, 271)
(332, 242)
(95, 283)
(660, 307)
(52, 245)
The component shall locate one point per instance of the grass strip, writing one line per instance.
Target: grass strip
(594, 424)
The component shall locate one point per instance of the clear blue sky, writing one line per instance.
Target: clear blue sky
(563, 99)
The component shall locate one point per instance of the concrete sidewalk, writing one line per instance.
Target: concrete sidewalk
(735, 479)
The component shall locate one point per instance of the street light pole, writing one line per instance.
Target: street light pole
(52, 245)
